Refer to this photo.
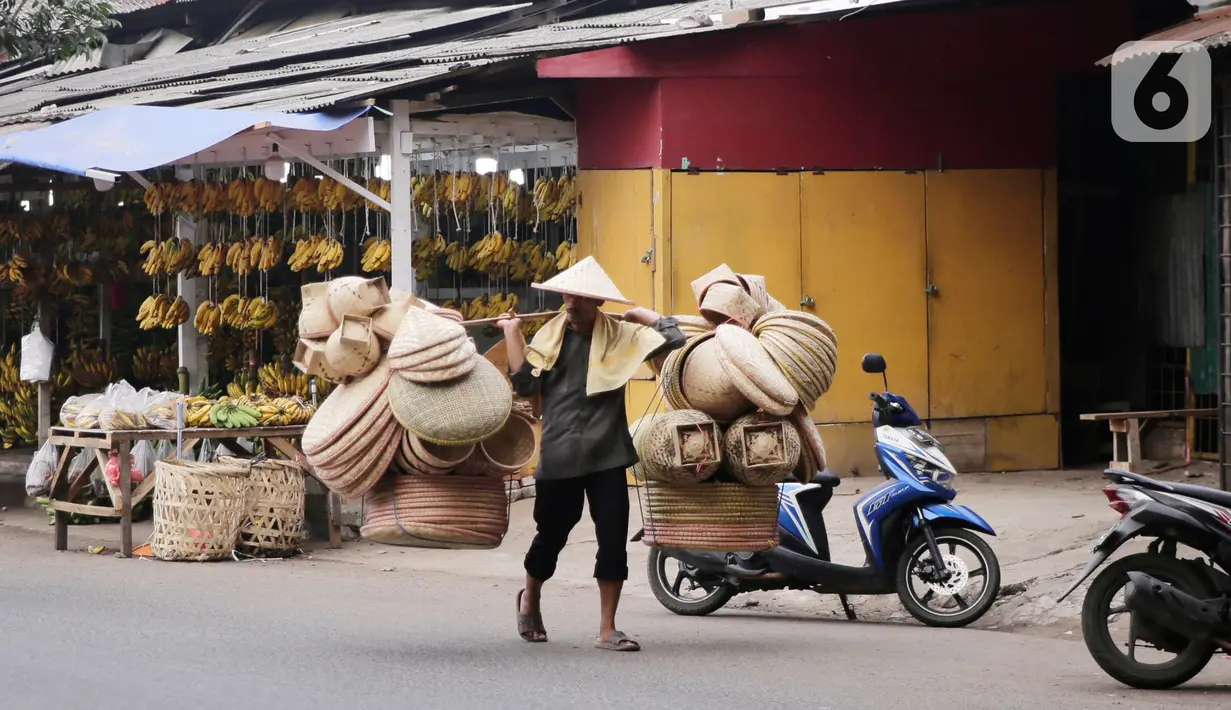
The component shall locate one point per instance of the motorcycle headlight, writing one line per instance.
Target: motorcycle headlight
(929, 471)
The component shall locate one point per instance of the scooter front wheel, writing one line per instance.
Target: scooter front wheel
(669, 589)
(965, 595)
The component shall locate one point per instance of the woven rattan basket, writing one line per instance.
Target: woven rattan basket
(761, 450)
(276, 494)
(506, 452)
(724, 517)
(199, 509)
(449, 512)
(684, 446)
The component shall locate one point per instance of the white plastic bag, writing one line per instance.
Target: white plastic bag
(124, 408)
(143, 459)
(206, 454)
(37, 353)
(161, 409)
(70, 412)
(42, 468)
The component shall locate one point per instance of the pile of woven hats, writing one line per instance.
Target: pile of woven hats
(740, 391)
(426, 433)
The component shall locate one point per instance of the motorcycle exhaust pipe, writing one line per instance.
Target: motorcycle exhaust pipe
(1175, 609)
(713, 562)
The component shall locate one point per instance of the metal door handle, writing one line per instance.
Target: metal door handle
(931, 290)
(807, 302)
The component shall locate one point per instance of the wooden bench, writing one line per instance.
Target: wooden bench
(1127, 429)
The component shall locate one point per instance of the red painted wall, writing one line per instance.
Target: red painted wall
(894, 91)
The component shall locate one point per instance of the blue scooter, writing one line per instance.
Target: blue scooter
(917, 543)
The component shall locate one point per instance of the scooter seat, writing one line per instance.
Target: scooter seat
(1205, 493)
(826, 478)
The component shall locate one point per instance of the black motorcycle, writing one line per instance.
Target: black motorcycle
(1177, 602)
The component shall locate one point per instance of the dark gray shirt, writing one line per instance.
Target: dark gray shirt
(583, 434)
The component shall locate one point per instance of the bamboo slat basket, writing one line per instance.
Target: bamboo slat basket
(276, 494)
(684, 446)
(722, 517)
(762, 450)
(447, 512)
(199, 509)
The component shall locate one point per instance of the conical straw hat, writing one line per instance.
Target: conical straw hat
(586, 279)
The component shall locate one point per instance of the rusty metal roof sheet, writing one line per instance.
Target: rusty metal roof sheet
(1208, 30)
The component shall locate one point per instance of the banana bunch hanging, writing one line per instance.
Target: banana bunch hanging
(242, 197)
(377, 255)
(329, 254)
(382, 189)
(303, 255)
(526, 260)
(214, 198)
(426, 253)
(566, 255)
(555, 199)
(90, 368)
(491, 253)
(168, 257)
(485, 306)
(208, 318)
(331, 193)
(186, 197)
(158, 198)
(155, 365)
(268, 194)
(162, 312)
(273, 381)
(304, 195)
(210, 258)
(74, 274)
(14, 269)
(244, 313)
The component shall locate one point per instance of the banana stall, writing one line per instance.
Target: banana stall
(199, 260)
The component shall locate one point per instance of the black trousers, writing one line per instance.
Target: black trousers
(557, 509)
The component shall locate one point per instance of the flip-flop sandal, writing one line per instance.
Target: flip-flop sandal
(618, 642)
(530, 625)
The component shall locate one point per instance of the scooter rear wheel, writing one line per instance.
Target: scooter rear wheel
(668, 592)
(1107, 653)
(968, 609)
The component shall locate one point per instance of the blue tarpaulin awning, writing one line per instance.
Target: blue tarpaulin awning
(135, 138)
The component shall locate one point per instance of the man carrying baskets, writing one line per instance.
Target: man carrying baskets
(580, 363)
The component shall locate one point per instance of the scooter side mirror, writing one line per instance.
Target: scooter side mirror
(874, 364)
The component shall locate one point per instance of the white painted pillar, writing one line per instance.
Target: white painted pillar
(402, 217)
(193, 348)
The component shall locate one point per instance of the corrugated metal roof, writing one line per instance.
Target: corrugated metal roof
(215, 77)
(1208, 30)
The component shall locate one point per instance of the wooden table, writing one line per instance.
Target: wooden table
(1127, 429)
(124, 497)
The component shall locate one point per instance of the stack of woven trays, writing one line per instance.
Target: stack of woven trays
(208, 511)
(429, 422)
(738, 398)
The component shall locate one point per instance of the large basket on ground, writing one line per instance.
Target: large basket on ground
(723, 517)
(450, 512)
(276, 493)
(199, 509)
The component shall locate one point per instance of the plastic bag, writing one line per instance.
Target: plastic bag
(70, 412)
(37, 353)
(164, 451)
(143, 459)
(161, 409)
(124, 408)
(113, 468)
(42, 468)
(206, 454)
(87, 416)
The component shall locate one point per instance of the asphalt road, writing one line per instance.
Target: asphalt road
(103, 633)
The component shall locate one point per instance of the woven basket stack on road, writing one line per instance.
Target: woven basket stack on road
(738, 397)
(429, 420)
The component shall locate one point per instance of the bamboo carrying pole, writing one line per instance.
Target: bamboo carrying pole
(523, 316)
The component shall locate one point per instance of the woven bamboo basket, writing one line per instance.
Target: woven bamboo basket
(446, 512)
(199, 509)
(276, 493)
(722, 517)
(762, 450)
(506, 452)
(684, 446)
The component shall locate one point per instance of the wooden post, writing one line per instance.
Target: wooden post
(402, 217)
